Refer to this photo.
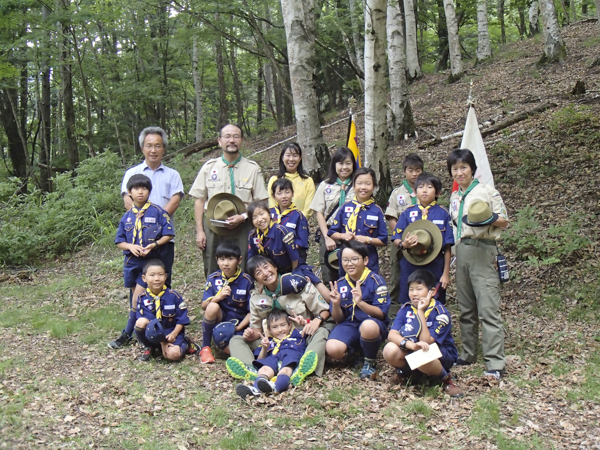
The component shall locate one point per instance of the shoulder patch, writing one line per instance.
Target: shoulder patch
(289, 238)
(182, 305)
(443, 319)
(381, 291)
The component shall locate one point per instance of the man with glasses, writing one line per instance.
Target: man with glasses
(232, 174)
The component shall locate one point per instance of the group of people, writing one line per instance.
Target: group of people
(267, 308)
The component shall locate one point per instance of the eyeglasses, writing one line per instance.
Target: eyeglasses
(354, 260)
(237, 137)
(155, 147)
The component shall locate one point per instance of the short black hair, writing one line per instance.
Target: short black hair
(428, 178)
(256, 261)
(281, 183)
(232, 124)
(228, 249)
(358, 247)
(258, 204)
(153, 262)
(364, 171)
(461, 155)
(412, 160)
(422, 276)
(338, 156)
(277, 314)
(139, 181)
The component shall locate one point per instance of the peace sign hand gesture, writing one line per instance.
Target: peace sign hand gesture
(357, 294)
(334, 297)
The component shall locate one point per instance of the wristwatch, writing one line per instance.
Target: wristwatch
(403, 344)
(320, 318)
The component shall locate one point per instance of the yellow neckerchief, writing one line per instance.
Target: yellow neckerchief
(281, 215)
(260, 238)
(361, 280)
(228, 281)
(157, 300)
(351, 224)
(139, 213)
(427, 312)
(425, 209)
(279, 341)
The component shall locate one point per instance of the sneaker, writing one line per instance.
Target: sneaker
(462, 362)
(306, 366)
(146, 355)
(497, 374)
(244, 391)
(237, 369)
(121, 341)
(206, 356)
(266, 386)
(193, 349)
(369, 369)
(451, 388)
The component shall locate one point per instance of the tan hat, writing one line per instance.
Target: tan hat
(220, 207)
(429, 244)
(479, 215)
(332, 259)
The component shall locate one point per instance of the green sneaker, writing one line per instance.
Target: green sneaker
(306, 366)
(237, 369)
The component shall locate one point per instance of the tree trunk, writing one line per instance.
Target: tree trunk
(501, 18)
(534, 27)
(598, 10)
(299, 20)
(376, 143)
(237, 89)
(456, 66)
(401, 119)
(66, 84)
(223, 107)
(442, 62)
(259, 97)
(88, 107)
(484, 48)
(554, 46)
(16, 149)
(412, 52)
(197, 90)
(522, 26)
(356, 39)
(46, 138)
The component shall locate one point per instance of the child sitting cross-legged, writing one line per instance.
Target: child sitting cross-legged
(278, 356)
(420, 323)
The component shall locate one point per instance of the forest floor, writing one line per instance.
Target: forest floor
(61, 387)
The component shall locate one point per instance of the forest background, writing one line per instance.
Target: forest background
(79, 80)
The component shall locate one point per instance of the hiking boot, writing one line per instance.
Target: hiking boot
(121, 341)
(206, 356)
(306, 366)
(496, 374)
(244, 391)
(193, 349)
(369, 369)
(237, 369)
(145, 356)
(462, 362)
(266, 386)
(451, 388)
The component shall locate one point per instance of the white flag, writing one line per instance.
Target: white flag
(473, 141)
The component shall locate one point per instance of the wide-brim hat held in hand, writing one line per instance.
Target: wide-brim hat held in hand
(332, 259)
(479, 215)
(429, 244)
(220, 207)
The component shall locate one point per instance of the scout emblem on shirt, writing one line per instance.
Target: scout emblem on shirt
(289, 238)
(294, 284)
(328, 189)
(401, 200)
(263, 303)
(214, 174)
(128, 219)
(455, 205)
(381, 293)
(409, 313)
(344, 291)
(348, 210)
(414, 215)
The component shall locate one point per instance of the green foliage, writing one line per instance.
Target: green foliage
(572, 120)
(81, 210)
(539, 245)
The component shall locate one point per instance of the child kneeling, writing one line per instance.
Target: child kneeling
(279, 356)
(420, 323)
(166, 305)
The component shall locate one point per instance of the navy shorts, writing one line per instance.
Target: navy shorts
(287, 358)
(349, 332)
(134, 266)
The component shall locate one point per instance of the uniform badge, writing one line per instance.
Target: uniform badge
(182, 305)
(255, 241)
(291, 225)
(348, 209)
(288, 238)
(401, 200)
(410, 314)
(454, 205)
(294, 284)
(328, 189)
(128, 219)
(414, 213)
(214, 174)
(218, 282)
(241, 292)
(149, 219)
(443, 319)
(408, 327)
(343, 289)
(348, 214)
(207, 285)
(167, 217)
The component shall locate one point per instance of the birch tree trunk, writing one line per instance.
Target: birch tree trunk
(356, 40)
(598, 10)
(554, 46)
(484, 48)
(534, 27)
(198, 91)
(299, 21)
(401, 119)
(456, 66)
(412, 54)
(376, 96)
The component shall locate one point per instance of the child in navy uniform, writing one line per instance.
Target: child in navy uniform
(142, 231)
(166, 305)
(359, 305)
(286, 214)
(279, 356)
(428, 188)
(361, 219)
(226, 297)
(419, 323)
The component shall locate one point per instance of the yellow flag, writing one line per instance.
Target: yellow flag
(352, 143)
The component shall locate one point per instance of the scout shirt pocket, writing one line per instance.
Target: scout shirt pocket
(370, 225)
(239, 297)
(168, 313)
(215, 184)
(441, 224)
(243, 190)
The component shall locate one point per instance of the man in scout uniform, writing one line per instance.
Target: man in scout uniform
(401, 198)
(479, 215)
(291, 293)
(233, 174)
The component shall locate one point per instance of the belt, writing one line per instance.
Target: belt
(478, 242)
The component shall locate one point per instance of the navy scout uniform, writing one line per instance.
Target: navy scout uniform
(296, 222)
(287, 352)
(477, 280)
(438, 215)
(173, 312)
(237, 305)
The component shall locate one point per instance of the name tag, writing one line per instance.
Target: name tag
(241, 292)
(168, 307)
(290, 225)
(438, 222)
(149, 219)
(372, 218)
